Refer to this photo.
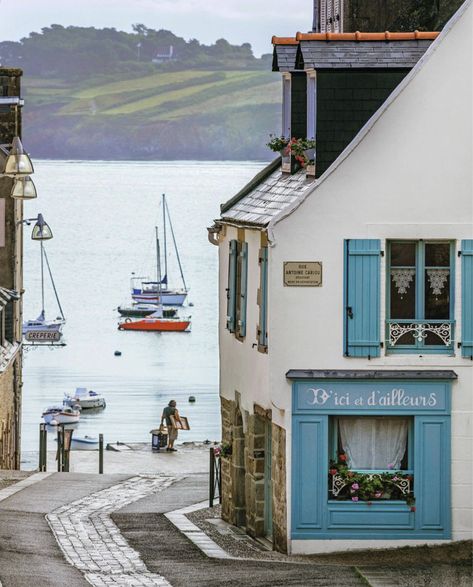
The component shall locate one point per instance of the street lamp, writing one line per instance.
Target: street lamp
(41, 230)
(18, 162)
(24, 188)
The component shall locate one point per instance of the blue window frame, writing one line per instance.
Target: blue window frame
(420, 297)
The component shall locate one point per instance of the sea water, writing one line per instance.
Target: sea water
(103, 217)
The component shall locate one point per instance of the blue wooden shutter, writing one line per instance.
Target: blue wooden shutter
(231, 289)
(263, 300)
(362, 298)
(432, 474)
(467, 298)
(243, 287)
(309, 473)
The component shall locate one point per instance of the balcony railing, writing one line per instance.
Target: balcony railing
(423, 334)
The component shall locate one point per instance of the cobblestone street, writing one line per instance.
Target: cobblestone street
(92, 543)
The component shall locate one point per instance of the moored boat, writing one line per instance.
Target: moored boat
(84, 398)
(141, 310)
(84, 442)
(156, 322)
(54, 415)
(144, 290)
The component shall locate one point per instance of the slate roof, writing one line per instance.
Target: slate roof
(265, 196)
(284, 57)
(353, 54)
(350, 50)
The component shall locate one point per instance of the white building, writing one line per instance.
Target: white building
(346, 318)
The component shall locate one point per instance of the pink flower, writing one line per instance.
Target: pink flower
(395, 478)
(378, 494)
(354, 498)
(355, 486)
(390, 466)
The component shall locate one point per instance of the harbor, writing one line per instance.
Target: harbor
(118, 235)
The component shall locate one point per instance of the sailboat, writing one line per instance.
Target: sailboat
(157, 321)
(145, 291)
(42, 330)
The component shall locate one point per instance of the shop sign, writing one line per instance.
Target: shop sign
(366, 396)
(43, 336)
(303, 273)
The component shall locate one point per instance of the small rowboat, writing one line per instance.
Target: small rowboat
(55, 415)
(84, 443)
(156, 322)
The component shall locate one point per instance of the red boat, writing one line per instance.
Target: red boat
(156, 322)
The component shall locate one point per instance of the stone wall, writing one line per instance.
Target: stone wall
(279, 488)
(254, 479)
(243, 473)
(10, 278)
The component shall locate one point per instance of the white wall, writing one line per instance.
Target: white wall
(410, 177)
(242, 367)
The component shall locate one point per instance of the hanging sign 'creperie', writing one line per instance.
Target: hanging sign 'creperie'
(43, 336)
(303, 273)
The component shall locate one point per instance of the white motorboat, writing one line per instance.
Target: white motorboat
(84, 443)
(55, 415)
(84, 398)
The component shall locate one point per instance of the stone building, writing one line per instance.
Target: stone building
(346, 300)
(11, 211)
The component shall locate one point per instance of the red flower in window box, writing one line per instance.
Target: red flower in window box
(333, 471)
(342, 457)
(413, 508)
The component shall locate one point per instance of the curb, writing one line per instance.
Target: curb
(23, 484)
(194, 533)
(374, 578)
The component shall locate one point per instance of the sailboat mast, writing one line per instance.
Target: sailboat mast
(165, 239)
(175, 247)
(53, 284)
(42, 278)
(158, 267)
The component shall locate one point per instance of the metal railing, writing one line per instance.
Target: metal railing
(215, 478)
(443, 332)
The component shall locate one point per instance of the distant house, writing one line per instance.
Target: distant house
(346, 301)
(163, 54)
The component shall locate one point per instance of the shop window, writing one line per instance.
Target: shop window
(420, 297)
(371, 458)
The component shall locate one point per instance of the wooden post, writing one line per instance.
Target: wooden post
(212, 478)
(101, 454)
(40, 464)
(59, 450)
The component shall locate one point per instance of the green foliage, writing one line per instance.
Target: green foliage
(369, 487)
(425, 15)
(76, 53)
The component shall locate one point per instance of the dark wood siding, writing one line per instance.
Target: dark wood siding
(345, 102)
(299, 105)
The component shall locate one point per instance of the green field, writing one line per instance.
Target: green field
(243, 104)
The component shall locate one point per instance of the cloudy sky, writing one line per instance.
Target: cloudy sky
(238, 21)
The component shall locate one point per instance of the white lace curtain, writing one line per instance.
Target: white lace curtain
(374, 443)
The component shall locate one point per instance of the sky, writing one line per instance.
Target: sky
(239, 21)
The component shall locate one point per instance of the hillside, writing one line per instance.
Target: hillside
(107, 94)
(188, 114)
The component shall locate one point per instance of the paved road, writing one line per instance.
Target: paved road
(29, 553)
(167, 552)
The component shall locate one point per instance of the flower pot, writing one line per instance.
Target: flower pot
(310, 170)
